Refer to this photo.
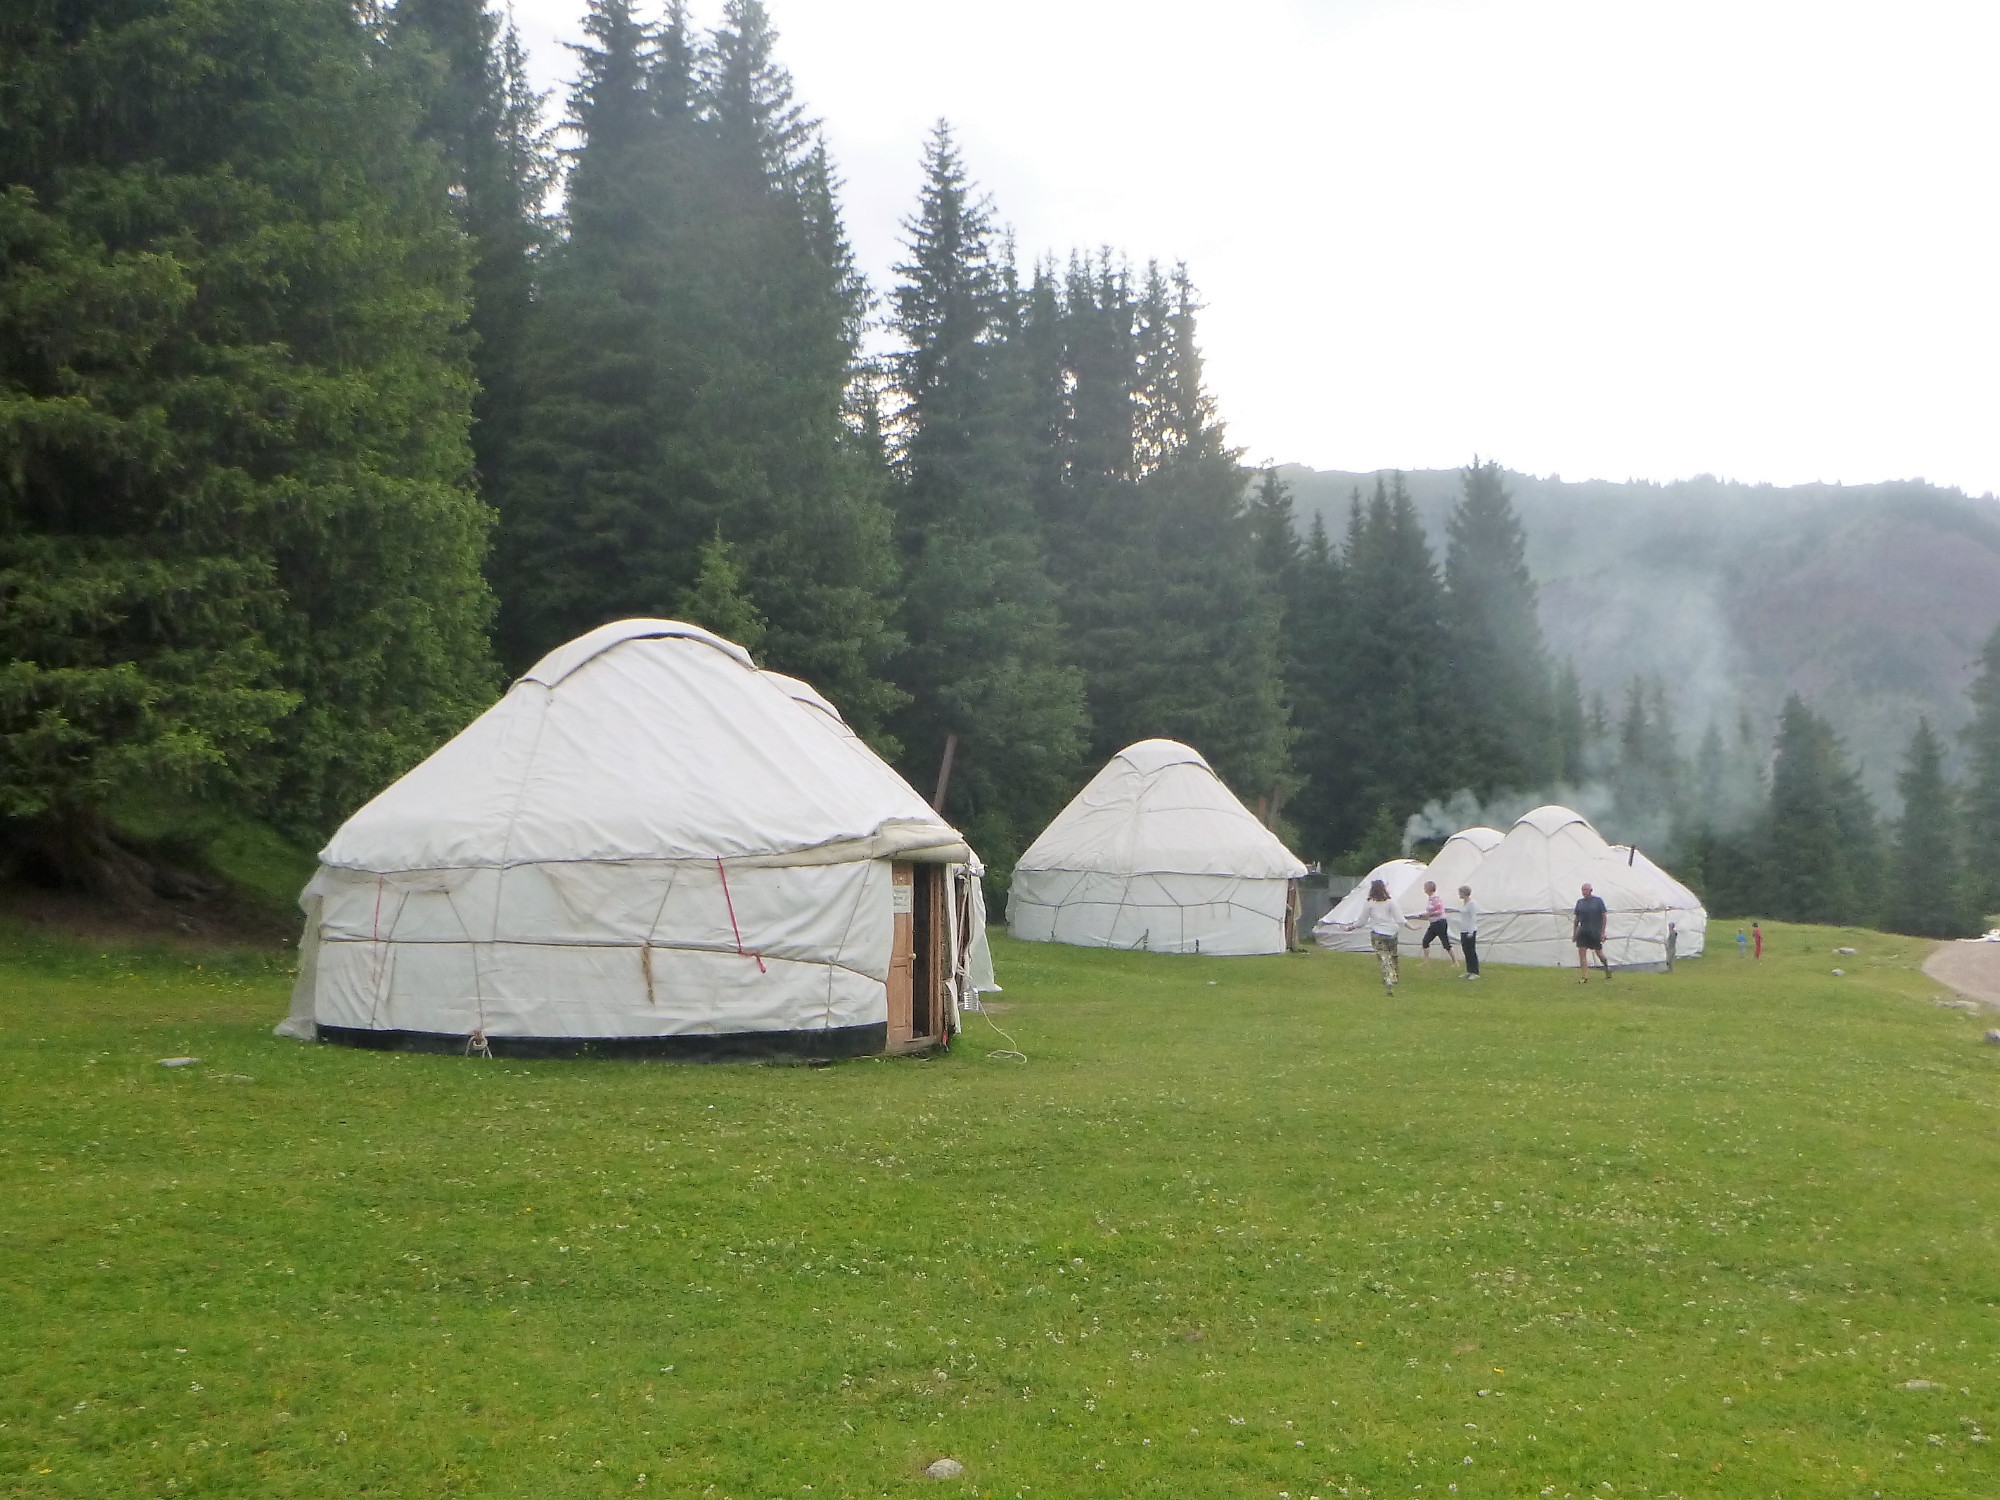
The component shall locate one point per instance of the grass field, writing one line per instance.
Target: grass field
(1237, 1228)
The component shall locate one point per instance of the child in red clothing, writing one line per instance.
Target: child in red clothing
(1757, 938)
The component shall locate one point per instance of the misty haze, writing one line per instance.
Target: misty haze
(1071, 751)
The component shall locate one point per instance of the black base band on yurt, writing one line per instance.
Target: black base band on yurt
(738, 1046)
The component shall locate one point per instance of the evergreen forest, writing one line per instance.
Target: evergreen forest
(342, 376)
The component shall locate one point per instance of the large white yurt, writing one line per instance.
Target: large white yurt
(648, 847)
(1458, 861)
(1156, 853)
(1341, 929)
(1527, 888)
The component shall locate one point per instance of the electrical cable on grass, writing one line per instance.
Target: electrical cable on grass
(1003, 1054)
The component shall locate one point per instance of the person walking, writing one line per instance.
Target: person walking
(1742, 944)
(1468, 931)
(1673, 942)
(1384, 920)
(1438, 930)
(1587, 932)
(1757, 939)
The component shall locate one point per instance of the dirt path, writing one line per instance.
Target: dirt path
(1973, 969)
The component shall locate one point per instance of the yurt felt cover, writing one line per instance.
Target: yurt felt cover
(1341, 928)
(1528, 886)
(1155, 853)
(646, 839)
(1457, 862)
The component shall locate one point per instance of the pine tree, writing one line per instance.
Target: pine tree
(582, 534)
(480, 110)
(1572, 729)
(696, 366)
(1183, 634)
(1818, 857)
(1500, 665)
(235, 467)
(1711, 842)
(717, 602)
(1397, 743)
(1150, 543)
(1316, 683)
(1982, 798)
(1927, 894)
(1648, 776)
(1274, 532)
(986, 661)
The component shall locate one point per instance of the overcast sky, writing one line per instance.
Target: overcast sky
(1600, 238)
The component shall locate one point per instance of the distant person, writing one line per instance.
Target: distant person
(1439, 930)
(1468, 931)
(1587, 932)
(1384, 920)
(1742, 944)
(1673, 942)
(1757, 939)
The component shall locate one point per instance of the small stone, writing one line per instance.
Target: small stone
(1844, 950)
(1993, 1038)
(1840, 971)
(945, 1468)
(178, 1062)
(1921, 1385)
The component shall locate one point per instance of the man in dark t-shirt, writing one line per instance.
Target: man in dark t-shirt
(1589, 934)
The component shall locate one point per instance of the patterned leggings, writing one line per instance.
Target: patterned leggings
(1385, 954)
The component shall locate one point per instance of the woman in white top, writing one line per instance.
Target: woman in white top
(1384, 920)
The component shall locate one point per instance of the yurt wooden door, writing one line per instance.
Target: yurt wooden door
(918, 964)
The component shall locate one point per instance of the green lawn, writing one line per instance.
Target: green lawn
(1237, 1228)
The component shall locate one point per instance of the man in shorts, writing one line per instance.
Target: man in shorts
(1588, 934)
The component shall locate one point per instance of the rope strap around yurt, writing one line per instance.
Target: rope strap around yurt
(738, 931)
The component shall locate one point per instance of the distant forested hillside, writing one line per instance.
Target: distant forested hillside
(1869, 601)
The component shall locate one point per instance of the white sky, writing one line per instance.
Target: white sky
(1601, 238)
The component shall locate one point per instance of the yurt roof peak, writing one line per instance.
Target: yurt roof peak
(647, 740)
(1150, 757)
(574, 655)
(1552, 818)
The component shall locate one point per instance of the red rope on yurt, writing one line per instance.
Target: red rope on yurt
(742, 952)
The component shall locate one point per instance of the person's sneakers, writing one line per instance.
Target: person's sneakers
(1472, 976)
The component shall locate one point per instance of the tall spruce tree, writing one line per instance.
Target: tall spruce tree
(1316, 676)
(1927, 894)
(1192, 652)
(1274, 532)
(1572, 728)
(695, 367)
(584, 534)
(1982, 797)
(1151, 544)
(1500, 663)
(1818, 858)
(986, 662)
(1397, 742)
(1713, 839)
(239, 537)
(487, 121)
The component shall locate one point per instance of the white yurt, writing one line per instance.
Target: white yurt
(648, 847)
(1156, 853)
(1404, 879)
(1458, 860)
(1528, 885)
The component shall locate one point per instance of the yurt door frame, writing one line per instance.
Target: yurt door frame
(919, 963)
